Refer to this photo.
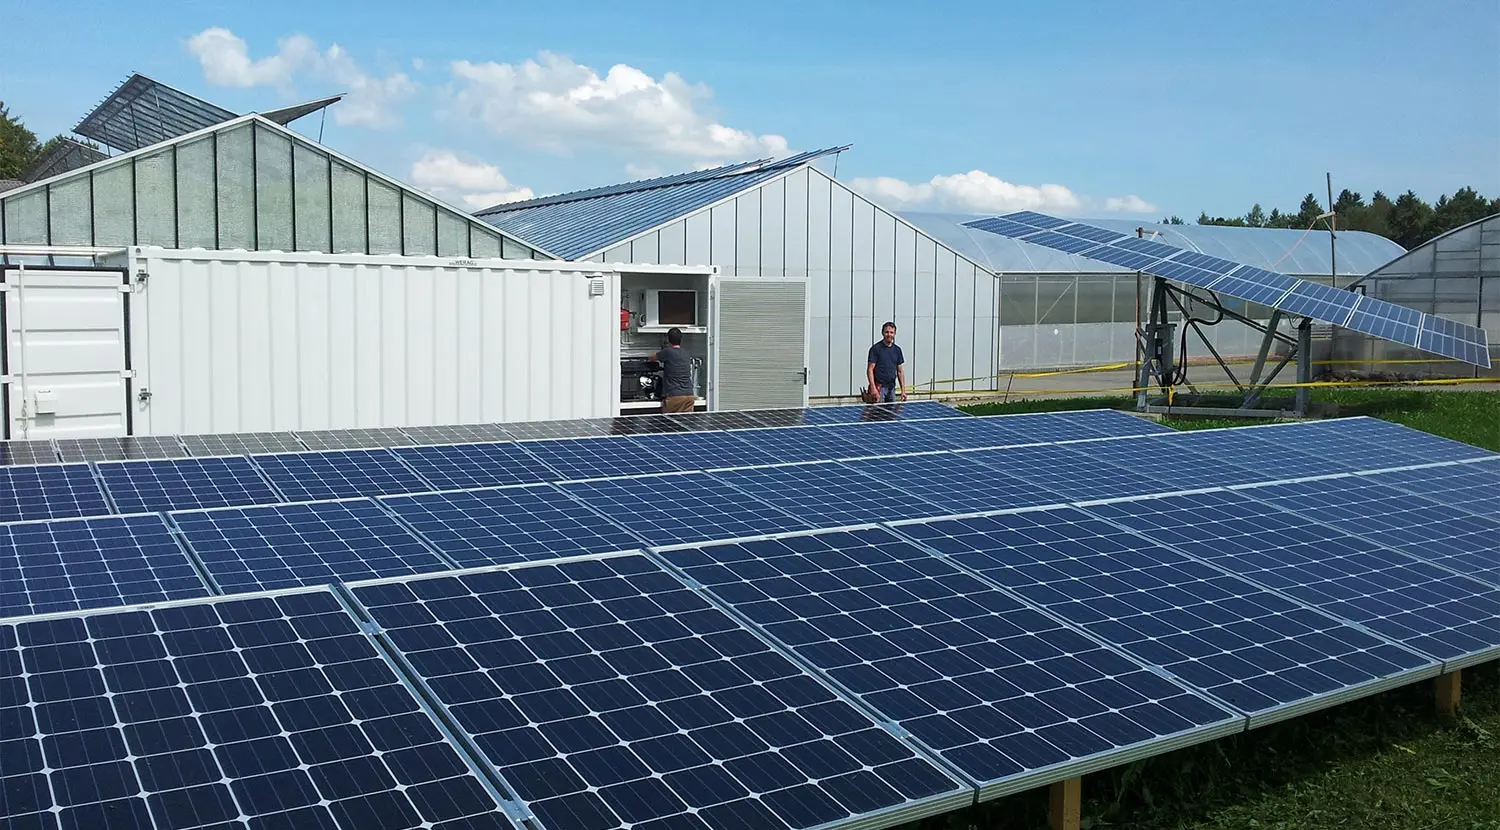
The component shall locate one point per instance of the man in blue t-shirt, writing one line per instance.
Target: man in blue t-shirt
(886, 369)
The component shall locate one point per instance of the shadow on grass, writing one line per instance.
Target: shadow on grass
(1337, 763)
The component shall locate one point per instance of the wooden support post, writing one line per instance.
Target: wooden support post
(1067, 804)
(1449, 690)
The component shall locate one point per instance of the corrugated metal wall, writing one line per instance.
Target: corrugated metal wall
(864, 266)
(228, 344)
(249, 186)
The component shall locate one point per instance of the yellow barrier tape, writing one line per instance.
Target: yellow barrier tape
(1130, 390)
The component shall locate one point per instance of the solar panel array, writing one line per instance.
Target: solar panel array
(797, 626)
(1348, 309)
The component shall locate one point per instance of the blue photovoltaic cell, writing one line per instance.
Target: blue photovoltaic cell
(1166, 463)
(1148, 247)
(681, 507)
(609, 695)
(575, 458)
(1422, 527)
(1386, 320)
(1260, 652)
(465, 466)
(1002, 227)
(509, 524)
(27, 452)
(1472, 487)
(949, 484)
(1453, 339)
(824, 493)
(184, 484)
(1183, 272)
(1415, 603)
(291, 545)
(1208, 263)
(997, 688)
(1240, 455)
(1009, 430)
(794, 444)
(1386, 444)
(1069, 471)
(703, 450)
(1061, 242)
(1264, 287)
(1105, 423)
(338, 474)
(264, 712)
(1034, 219)
(50, 491)
(909, 411)
(892, 438)
(73, 564)
(1320, 302)
(1125, 259)
(1090, 233)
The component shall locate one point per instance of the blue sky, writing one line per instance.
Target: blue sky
(1161, 108)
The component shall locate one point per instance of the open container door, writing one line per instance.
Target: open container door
(757, 342)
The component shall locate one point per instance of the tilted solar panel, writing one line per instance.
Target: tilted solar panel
(1386, 444)
(1280, 451)
(726, 419)
(1430, 333)
(793, 444)
(676, 508)
(51, 491)
(503, 525)
(292, 545)
(139, 447)
(462, 466)
(529, 430)
(184, 484)
(1105, 423)
(575, 458)
(1415, 603)
(72, 564)
(1168, 463)
(909, 411)
(946, 484)
(1069, 471)
(354, 439)
(27, 452)
(608, 694)
(242, 443)
(1473, 487)
(1008, 430)
(704, 450)
(890, 438)
(263, 712)
(1258, 651)
(1425, 528)
(456, 434)
(1011, 697)
(824, 493)
(339, 474)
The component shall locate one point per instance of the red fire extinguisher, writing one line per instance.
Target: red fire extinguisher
(624, 318)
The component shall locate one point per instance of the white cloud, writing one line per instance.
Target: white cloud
(370, 100)
(475, 184)
(556, 104)
(979, 192)
(642, 171)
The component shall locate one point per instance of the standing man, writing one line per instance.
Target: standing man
(676, 376)
(886, 369)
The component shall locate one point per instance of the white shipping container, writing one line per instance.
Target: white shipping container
(233, 341)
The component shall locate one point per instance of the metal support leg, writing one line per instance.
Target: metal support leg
(1265, 348)
(1304, 368)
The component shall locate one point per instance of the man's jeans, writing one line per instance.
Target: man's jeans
(887, 391)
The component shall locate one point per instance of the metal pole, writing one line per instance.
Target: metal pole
(1304, 367)
(1333, 223)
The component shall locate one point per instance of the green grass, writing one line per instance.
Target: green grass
(1386, 762)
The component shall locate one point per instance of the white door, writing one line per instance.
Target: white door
(757, 342)
(65, 367)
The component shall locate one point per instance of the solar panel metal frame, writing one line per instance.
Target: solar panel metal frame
(962, 796)
(1233, 721)
(241, 443)
(20, 453)
(126, 448)
(110, 557)
(875, 412)
(121, 479)
(1254, 719)
(456, 434)
(368, 438)
(550, 430)
(502, 812)
(274, 468)
(52, 480)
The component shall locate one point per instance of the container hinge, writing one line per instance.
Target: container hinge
(128, 374)
(144, 396)
(141, 277)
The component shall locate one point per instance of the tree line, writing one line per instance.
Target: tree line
(19, 146)
(1407, 219)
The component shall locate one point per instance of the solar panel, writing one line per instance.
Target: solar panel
(292, 545)
(681, 507)
(1282, 450)
(645, 425)
(456, 434)
(1417, 526)
(609, 695)
(1254, 649)
(264, 712)
(1408, 601)
(27, 452)
(526, 430)
(1000, 690)
(1068, 470)
(889, 438)
(908, 411)
(184, 484)
(318, 476)
(1202, 460)
(462, 466)
(244, 443)
(1473, 487)
(354, 439)
(823, 493)
(72, 564)
(949, 484)
(704, 450)
(1007, 430)
(725, 420)
(1344, 308)
(51, 491)
(1106, 423)
(1386, 444)
(575, 458)
(509, 524)
(119, 449)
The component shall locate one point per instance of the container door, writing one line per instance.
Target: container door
(757, 343)
(64, 363)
